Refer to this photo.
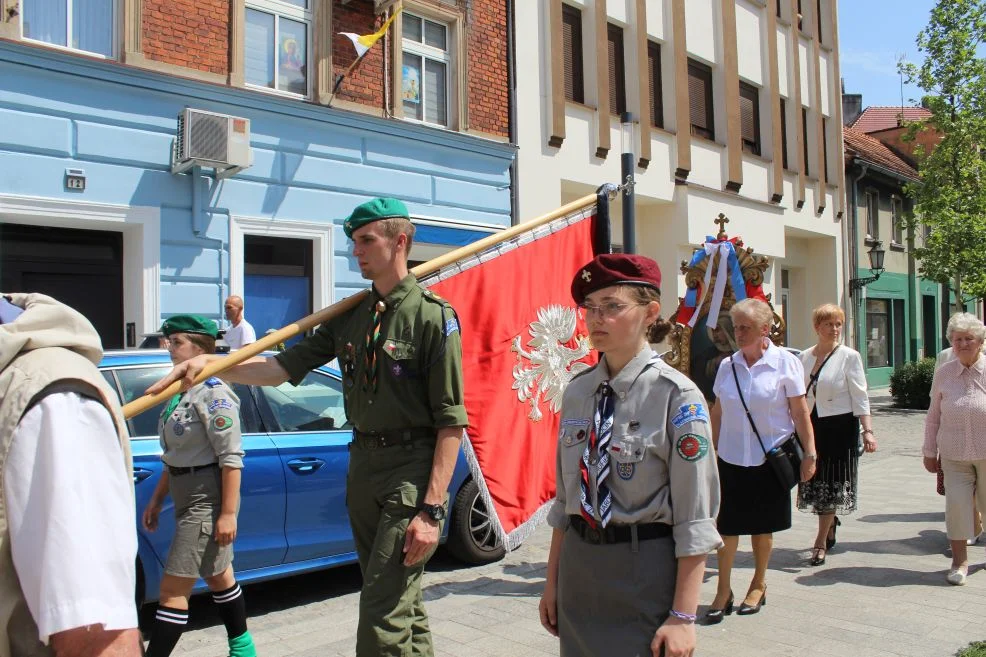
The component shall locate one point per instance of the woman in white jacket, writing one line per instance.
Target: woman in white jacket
(836, 395)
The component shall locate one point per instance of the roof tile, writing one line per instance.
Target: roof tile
(861, 145)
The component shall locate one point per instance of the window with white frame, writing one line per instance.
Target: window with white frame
(897, 217)
(426, 73)
(872, 215)
(277, 45)
(87, 25)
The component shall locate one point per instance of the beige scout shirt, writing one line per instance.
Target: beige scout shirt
(661, 450)
(204, 428)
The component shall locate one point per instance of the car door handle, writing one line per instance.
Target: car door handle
(306, 465)
(140, 474)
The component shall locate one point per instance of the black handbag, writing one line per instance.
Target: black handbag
(785, 459)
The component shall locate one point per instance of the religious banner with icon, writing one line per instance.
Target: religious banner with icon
(720, 273)
(523, 340)
(411, 85)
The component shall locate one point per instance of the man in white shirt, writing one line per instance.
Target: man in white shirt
(240, 332)
(69, 545)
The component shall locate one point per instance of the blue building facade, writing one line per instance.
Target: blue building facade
(183, 243)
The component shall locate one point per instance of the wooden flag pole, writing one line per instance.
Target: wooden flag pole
(141, 404)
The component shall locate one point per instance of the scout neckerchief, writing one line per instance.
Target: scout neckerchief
(598, 443)
(172, 405)
(372, 340)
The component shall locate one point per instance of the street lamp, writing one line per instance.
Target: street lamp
(876, 254)
(626, 179)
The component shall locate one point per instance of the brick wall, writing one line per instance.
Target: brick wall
(365, 84)
(190, 33)
(486, 39)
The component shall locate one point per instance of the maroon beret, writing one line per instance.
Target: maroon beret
(615, 269)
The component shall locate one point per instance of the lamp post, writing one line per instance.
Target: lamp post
(626, 179)
(875, 254)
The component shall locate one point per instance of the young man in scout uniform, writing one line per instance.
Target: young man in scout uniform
(401, 359)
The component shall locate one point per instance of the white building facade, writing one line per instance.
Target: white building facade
(737, 110)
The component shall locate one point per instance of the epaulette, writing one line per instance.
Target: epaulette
(213, 382)
(431, 296)
(584, 372)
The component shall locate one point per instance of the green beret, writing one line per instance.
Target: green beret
(375, 210)
(189, 324)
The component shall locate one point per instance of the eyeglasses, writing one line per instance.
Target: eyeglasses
(606, 310)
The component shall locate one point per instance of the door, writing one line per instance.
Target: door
(81, 268)
(277, 282)
(309, 427)
(928, 312)
(899, 346)
(260, 540)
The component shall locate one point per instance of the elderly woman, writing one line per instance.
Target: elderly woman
(836, 391)
(770, 381)
(953, 431)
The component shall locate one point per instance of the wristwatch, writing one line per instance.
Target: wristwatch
(811, 456)
(434, 511)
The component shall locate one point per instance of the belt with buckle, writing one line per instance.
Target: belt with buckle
(617, 533)
(177, 472)
(382, 439)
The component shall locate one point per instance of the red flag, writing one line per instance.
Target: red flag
(523, 339)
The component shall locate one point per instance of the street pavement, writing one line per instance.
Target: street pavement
(881, 593)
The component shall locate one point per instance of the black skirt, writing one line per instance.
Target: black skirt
(833, 488)
(752, 501)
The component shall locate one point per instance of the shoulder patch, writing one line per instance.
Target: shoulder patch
(690, 413)
(692, 447)
(213, 382)
(217, 404)
(451, 326)
(221, 422)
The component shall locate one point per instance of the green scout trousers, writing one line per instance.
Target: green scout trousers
(383, 491)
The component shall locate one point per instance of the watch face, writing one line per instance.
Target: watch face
(434, 511)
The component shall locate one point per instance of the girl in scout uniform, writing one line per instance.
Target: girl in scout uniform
(637, 486)
(203, 458)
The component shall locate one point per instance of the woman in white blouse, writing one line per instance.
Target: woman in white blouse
(836, 392)
(953, 430)
(753, 501)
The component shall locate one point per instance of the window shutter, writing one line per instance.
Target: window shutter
(804, 138)
(572, 49)
(700, 100)
(696, 99)
(655, 83)
(750, 117)
(617, 79)
(784, 161)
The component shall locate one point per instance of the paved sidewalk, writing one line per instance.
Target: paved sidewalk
(882, 592)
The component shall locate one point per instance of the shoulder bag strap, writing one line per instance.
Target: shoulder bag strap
(748, 416)
(813, 379)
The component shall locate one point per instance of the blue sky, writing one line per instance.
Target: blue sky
(872, 34)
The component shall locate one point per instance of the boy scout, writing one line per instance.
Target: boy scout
(400, 356)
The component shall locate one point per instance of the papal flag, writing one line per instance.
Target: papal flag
(366, 41)
(523, 340)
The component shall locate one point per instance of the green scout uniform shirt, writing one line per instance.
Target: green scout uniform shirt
(419, 361)
(662, 465)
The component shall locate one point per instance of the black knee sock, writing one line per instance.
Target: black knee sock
(168, 625)
(232, 609)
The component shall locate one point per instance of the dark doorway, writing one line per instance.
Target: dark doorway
(899, 352)
(928, 313)
(277, 281)
(81, 268)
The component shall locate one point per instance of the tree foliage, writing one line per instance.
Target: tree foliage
(950, 198)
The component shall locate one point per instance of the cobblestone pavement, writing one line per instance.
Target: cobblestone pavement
(882, 592)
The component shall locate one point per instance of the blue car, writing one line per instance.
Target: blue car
(293, 516)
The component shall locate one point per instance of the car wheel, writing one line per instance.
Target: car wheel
(471, 536)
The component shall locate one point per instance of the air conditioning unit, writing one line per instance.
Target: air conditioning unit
(208, 139)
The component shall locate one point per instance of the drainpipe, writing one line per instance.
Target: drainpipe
(196, 202)
(512, 111)
(853, 305)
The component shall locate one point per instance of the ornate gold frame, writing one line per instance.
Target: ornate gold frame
(753, 267)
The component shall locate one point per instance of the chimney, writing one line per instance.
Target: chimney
(852, 107)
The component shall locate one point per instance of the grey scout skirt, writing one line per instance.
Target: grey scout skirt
(611, 600)
(198, 501)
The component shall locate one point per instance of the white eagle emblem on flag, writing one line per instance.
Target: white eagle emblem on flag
(552, 364)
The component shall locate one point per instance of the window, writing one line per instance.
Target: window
(700, 100)
(777, 4)
(276, 45)
(801, 16)
(425, 76)
(750, 117)
(571, 26)
(86, 25)
(784, 161)
(872, 215)
(825, 147)
(878, 333)
(315, 405)
(656, 85)
(818, 19)
(804, 138)
(617, 72)
(897, 219)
